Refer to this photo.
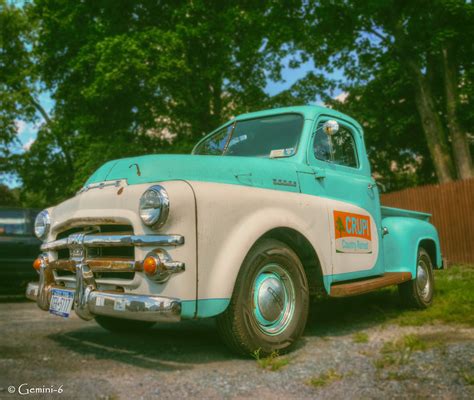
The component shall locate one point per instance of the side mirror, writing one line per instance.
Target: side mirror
(330, 127)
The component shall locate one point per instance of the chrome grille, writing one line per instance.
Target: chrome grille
(98, 252)
(109, 256)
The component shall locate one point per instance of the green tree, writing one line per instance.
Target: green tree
(131, 77)
(421, 50)
(9, 197)
(398, 152)
(18, 89)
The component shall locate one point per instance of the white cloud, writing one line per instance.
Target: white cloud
(341, 97)
(28, 144)
(21, 126)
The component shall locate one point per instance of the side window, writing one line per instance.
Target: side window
(337, 149)
(215, 145)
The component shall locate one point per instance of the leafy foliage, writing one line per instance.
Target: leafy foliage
(18, 76)
(128, 77)
(144, 77)
(9, 198)
(398, 59)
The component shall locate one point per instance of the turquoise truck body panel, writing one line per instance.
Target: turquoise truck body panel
(302, 173)
(404, 238)
(203, 308)
(248, 171)
(398, 212)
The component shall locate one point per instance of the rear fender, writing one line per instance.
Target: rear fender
(401, 244)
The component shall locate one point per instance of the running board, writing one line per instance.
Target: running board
(367, 285)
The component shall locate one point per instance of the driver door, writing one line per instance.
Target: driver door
(353, 207)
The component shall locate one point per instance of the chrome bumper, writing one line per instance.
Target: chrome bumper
(88, 300)
(121, 305)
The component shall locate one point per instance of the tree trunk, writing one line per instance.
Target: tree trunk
(432, 125)
(58, 138)
(459, 140)
(216, 90)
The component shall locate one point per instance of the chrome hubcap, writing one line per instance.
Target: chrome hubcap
(274, 299)
(271, 297)
(422, 279)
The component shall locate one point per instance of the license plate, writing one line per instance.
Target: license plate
(61, 302)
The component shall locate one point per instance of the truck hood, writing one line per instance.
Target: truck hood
(259, 172)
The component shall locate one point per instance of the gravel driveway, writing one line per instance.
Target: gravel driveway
(187, 360)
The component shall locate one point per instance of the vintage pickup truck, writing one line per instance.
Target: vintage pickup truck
(269, 209)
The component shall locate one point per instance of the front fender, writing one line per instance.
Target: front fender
(232, 218)
(403, 240)
(240, 240)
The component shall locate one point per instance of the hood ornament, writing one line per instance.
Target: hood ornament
(138, 168)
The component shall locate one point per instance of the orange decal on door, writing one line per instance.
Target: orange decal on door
(352, 233)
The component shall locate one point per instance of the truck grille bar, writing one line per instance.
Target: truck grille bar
(98, 240)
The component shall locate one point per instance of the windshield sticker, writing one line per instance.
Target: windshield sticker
(352, 233)
(282, 152)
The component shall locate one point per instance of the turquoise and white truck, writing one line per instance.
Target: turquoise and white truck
(269, 209)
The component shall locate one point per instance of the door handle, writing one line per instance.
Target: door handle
(319, 173)
(371, 185)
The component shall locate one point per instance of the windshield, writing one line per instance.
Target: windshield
(275, 136)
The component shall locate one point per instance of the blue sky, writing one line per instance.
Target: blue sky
(27, 131)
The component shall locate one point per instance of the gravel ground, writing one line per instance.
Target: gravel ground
(187, 360)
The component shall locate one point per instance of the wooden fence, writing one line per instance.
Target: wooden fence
(452, 206)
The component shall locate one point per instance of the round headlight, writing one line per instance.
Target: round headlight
(42, 224)
(154, 206)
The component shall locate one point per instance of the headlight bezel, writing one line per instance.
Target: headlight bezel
(41, 232)
(160, 213)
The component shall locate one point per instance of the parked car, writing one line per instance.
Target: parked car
(269, 209)
(19, 247)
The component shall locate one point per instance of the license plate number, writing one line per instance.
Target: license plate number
(61, 302)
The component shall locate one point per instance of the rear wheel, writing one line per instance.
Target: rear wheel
(418, 293)
(119, 325)
(269, 306)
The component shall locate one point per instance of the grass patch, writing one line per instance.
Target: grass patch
(360, 337)
(400, 351)
(397, 376)
(385, 361)
(468, 378)
(453, 304)
(325, 378)
(273, 362)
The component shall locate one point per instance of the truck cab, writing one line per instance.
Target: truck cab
(269, 209)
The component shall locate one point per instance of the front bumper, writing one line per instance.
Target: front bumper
(120, 305)
(89, 301)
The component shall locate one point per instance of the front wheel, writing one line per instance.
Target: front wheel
(418, 293)
(270, 302)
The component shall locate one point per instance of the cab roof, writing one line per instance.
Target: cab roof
(309, 112)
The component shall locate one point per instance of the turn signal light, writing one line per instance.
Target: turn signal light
(37, 264)
(150, 265)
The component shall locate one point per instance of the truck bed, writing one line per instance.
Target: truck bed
(399, 212)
